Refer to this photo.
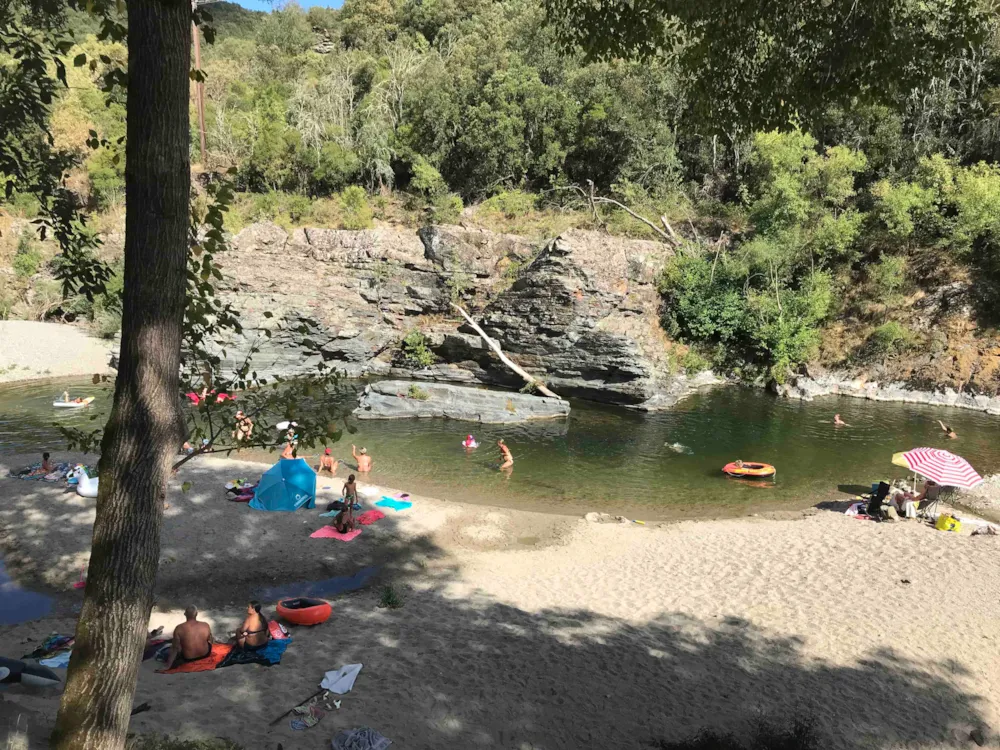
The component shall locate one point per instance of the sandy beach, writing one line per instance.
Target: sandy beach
(522, 630)
(30, 350)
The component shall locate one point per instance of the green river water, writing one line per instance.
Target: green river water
(647, 466)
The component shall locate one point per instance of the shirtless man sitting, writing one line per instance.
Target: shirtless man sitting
(363, 459)
(192, 641)
(327, 462)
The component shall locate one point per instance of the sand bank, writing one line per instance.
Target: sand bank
(524, 630)
(31, 350)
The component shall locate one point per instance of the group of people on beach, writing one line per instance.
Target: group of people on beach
(193, 640)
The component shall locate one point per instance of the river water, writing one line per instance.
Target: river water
(646, 466)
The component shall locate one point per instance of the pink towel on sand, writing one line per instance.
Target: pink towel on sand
(370, 516)
(328, 532)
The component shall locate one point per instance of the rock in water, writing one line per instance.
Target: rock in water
(400, 399)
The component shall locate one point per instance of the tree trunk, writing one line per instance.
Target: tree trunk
(528, 377)
(141, 435)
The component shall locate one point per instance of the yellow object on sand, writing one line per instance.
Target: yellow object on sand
(948, 523)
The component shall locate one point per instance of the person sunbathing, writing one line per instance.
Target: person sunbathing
(327, 462)
(254, 633)
(363, 459)
(192, 641)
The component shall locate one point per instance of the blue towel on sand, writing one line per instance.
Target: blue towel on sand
(397, 505)
(268, 656)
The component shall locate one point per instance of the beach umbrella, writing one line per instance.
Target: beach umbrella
(288, 485)
(940, 466)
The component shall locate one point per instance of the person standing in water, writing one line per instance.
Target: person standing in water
(327, 462)
(947, 430)
(506, 458)
(838, 422)
(363, 459)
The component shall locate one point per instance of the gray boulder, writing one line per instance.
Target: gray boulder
(401, 399)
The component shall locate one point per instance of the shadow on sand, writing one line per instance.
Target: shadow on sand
(467, 671)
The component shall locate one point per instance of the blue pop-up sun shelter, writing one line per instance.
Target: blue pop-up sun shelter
(288, 485)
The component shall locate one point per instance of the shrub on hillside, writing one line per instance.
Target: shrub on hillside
(357, 212)
(415, 351)
(889, 338)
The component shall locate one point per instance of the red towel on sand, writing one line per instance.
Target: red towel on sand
(328, 532)
(219, 652)
(370, 516)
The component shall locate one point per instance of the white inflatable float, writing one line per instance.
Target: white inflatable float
(85, 486)
(78, 404)
(27, 673)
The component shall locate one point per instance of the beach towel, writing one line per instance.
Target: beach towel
(219, 652)
(396, 505)
(363, 738)
(53, 645)
(59, 661)
(328, 532)
(341, 680)
(370, 516)
(153, 647)
(268, 656)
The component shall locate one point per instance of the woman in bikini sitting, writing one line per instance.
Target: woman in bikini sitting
(344, 521)
(254, 634)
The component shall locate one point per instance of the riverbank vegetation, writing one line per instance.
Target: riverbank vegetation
(415, 112)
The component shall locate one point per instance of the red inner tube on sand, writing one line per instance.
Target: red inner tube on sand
(304, 611)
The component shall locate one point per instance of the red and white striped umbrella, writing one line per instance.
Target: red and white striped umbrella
(938, 465)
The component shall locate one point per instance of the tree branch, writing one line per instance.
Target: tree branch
(503, 357)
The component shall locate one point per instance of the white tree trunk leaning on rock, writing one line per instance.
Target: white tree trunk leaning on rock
(528, 378)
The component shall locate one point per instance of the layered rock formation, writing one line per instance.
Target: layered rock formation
(841, 384)
(400, 399)
(581, 312)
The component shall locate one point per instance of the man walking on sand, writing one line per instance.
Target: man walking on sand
(506, 459)
(192, 641)
(363, 459)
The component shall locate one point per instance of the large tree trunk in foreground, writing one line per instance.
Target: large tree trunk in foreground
(141, 435)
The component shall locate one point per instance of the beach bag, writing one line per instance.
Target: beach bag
(948, 523)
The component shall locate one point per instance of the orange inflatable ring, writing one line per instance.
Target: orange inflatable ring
(749, 470)
(303, 611)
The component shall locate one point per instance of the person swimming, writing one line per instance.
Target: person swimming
(469, 442)
(947, 430)
(838, 422)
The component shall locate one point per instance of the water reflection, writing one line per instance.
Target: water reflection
(611, 459)
(18, 605)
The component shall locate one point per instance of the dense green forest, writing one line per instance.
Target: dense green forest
(435, 110)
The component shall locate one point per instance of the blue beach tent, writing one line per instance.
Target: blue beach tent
(288, 485)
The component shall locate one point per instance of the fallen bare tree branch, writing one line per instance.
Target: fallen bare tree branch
(528, 377)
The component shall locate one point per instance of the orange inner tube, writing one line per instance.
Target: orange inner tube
(304, 611)
(749, 469)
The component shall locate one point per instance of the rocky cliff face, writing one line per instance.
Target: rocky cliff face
(580, 312)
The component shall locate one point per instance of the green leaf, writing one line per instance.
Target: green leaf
(80, 60)
(185, 487)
